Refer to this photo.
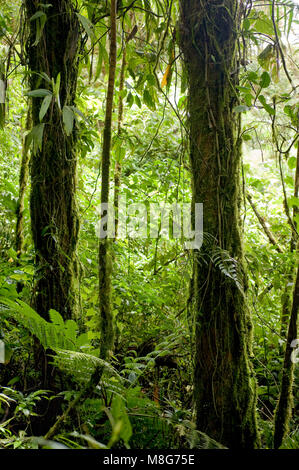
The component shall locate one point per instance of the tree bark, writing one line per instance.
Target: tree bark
(284, 407)
(289, 324)
(106, 317)
(23, 182)
(224, 382)
(287, 294)
(118, 166)
(54, 215)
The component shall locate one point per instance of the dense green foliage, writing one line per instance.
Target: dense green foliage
(145, 395)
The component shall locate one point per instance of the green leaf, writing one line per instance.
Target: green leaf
(119, 413)
(87, 25)
(290, 21)
(56, 318)
(243, 88)
(151, 80)
(71, 328)
(41, 19)
(265, 80)
(35, 137)
(45, 77)
(148, 99)
(246, 24)
(289, 181)
(293, 201)
(137, 101)
(68, 119)
(44, 107)
(120, 153)
(266, 56)
(292, 163)
(130, 99)
(40, 93)
(264, 24)
(267, 107)
(56, 89)
(292, 112)
(248, 99)
(252, 77)
(36, 15)
(82, 340)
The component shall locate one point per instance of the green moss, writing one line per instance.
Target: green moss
(54, 217)
(225, 388)
(283, 412)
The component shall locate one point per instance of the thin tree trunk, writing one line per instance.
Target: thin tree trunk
(283, 412)
(284, 407)
(23, 182)
(106, 317)
(224, 382)
(287, 295)
(118, 166)
(3, 85)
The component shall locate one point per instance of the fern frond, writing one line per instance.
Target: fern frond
(81, 365)
(59, 336)
(50, 335)
(198, 439)
(228, 266)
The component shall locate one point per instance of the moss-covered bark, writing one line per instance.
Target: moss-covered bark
(287, 294)
(23, 182)
(224, 383)
(289, 328)
(106, 316)
(283, 412)
(118, 166)
(54, 215)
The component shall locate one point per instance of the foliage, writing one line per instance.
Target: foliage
(145, 396)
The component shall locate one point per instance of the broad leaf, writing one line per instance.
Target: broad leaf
(68, 119)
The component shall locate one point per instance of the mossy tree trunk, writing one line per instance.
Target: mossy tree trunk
(54, 216)
(289, 324)
(118, 163)
(23, 183)
(118, 166)
(287, 294)
(224, 383)
(106, 316)
(283, 412)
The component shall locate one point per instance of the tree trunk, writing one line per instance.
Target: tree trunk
(224, 382)
(106, 316)
(284, 407)
(118, 167)
(287, 294)
(23, 182)
(54, 216)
